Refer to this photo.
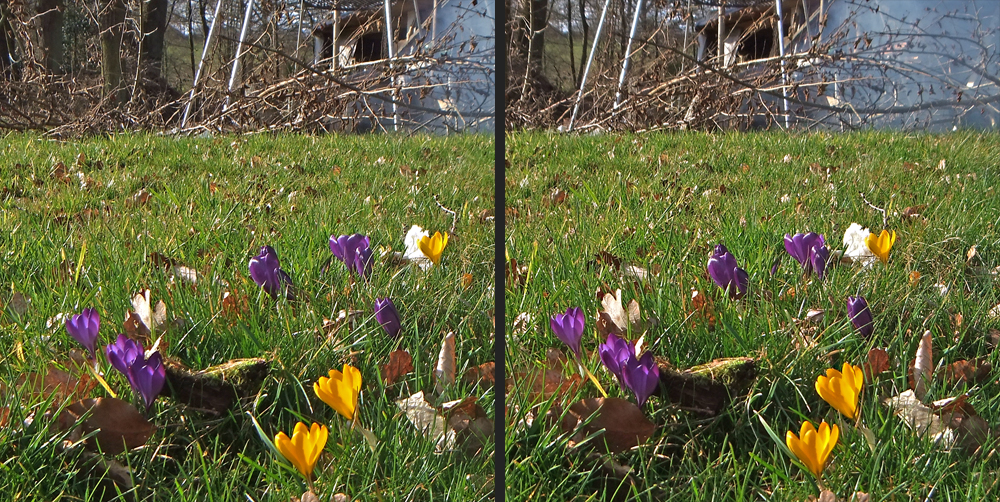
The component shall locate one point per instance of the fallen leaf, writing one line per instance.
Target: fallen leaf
(517, 275)
(877, 362)
(914, 278)
(469, 427)
(554, 198)
(923, 366)
(64, 385)
(827, 496)
(484, 373)
(18, 304)
(859, 497)
(921, 419)
(970, 254)
(400, 363)
(119, 425)
(704, 309)
(623, 423)
(544, 382)
(467, 281)
(59, 173)
(140, 198)
(966, 372)
(614, 319)
(444, 372)
(423, 416)
(234, 305)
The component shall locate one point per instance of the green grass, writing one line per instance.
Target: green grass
(213, 203)
(661, 202)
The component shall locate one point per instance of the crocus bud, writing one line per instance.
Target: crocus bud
(265, 270)
(568, 327)
(387, 316)
(147, 377)
(861, 315)
(123, 353)
(801, 247)
(722, 267)
(84, 328)
(641, 376)
(820, 257)
(615, 353)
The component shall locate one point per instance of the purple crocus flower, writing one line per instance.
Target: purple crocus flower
(123, 353)
(819, 259)
(363, 261)
(861, 315)
(265, 270)
(641, 376)
(724, 271)
(147, 377)
(802, 246)
(568, 327)
(615, 353)
(387, 316)
(354, 250)
(84, 328)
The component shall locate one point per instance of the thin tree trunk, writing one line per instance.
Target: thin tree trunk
(569, 23)
(112, 29)
(50, 17)
(539, 21)
(154, 25)
(8, 44)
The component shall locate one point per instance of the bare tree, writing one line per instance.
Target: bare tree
(50, 16)
(112, 24)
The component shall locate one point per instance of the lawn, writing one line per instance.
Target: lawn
(90, 223)
(590, 215)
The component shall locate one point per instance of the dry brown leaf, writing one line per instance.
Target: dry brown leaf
(624, 424)
(614, 319)
(914, 278)
(970, 254)
(400, 363)
(140, 198)
(516, 274)
(467, 280)
(469, 427)
(234, 305)
(969, 372)
(64, 385)
(921, 418)
(923, 366)
(444, 372)
(877, 362)
(152, 318)
(423, 416)
(703, 309)
(484, 373)
(120, 426)
(18, 304)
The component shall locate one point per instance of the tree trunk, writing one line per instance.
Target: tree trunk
(112, 27)
(539, 19)
(8, 45)
(50, 18)
(154, 25)
(583, 43)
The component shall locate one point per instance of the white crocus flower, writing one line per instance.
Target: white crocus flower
(855, 241)
(413, 252)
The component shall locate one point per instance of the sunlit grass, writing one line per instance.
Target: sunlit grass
(212, 202)
(661, 202)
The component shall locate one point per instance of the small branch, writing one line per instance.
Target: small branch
(454, 215)
(885, 217)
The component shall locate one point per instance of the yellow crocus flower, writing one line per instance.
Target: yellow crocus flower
(433, 246)
(881, 244)
(340, 391)
(841, 389)
(813, 446)
(304, 447)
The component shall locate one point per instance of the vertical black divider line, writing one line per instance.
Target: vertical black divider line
(499, 244)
